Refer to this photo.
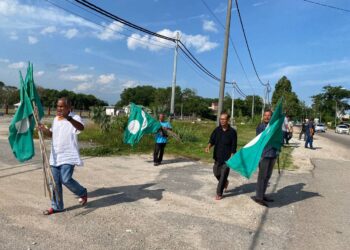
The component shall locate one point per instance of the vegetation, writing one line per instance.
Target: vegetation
(9, 95)
(331, 101)
(194, 136)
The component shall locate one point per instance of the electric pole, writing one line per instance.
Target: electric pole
(233, 104)
(172, 102)
(224, 61)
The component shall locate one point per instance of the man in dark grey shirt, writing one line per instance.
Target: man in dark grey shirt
(224, 141)
(267, 161)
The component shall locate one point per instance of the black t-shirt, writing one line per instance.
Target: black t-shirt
(224, 142)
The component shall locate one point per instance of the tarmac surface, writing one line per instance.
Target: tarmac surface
(134, 205)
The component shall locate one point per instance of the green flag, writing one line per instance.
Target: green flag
(31, 90)
(246, 160)
(139, 123)
(20, 129)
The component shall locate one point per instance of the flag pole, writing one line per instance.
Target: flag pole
(48, 178)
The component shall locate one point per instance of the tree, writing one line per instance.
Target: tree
(291, 103)
(325, 104)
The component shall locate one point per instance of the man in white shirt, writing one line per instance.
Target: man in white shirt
(65, 154)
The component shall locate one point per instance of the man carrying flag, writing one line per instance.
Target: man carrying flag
(65, 154)
(247, 159)
(161, 140)
(267, 161)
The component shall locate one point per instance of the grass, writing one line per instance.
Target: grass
(194, 138)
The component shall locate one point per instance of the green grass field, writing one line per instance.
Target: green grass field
(194, 138)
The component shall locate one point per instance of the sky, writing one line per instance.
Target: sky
(78, 50)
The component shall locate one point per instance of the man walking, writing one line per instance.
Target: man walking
(224, 141)
(310, 131)
(303, 130)
(64, 154)
(267, 161)
(161, 140)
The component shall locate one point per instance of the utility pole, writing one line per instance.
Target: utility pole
(172, 102)
(224, 61)
(233, 104)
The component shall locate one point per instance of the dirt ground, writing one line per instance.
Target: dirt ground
(135, 205)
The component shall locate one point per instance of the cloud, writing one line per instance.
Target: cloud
(33, 16)
(111, 32)
(129, 84)
(18, 65)
(87, 50)
(83, 87)
(68, 67)
(39, 73)
(13, 36)
(32, 40)
(105, 79)
(48, 30)
(70, 33)
(209, 26)
(79, 78)
(259, 3)
(3, 60)
(199, 42)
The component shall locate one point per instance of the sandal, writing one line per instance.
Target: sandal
(49, 211)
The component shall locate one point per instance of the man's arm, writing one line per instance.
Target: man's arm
(46, 131)
(76, 124)
(211, 141)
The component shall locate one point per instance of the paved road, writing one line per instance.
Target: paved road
(338, 138)
(323, 223)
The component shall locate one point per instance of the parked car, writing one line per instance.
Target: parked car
(320, 127)
(342, 129)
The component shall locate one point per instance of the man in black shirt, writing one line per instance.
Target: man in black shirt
(267, 161)
(224, 141)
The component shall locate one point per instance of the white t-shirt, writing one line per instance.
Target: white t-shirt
(64, 146)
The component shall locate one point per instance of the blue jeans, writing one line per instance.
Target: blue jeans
(309, 140)
(63, 175)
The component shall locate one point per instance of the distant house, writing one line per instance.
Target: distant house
(214, 106)
(110, 110)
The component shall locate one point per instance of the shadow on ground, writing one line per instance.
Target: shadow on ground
(176, 160)
(115, 195)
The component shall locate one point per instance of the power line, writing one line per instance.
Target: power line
(182, 47)
(246, 42)
(327, 5)
(231, 41)
(121, 20)
(104, 26)
(124, 27)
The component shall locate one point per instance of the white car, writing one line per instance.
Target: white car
(320, 127)
(342, 129)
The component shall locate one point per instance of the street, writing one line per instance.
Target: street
(134, 205)
(342, 139)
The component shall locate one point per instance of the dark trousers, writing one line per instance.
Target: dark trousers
(221, 172)
(309, 141)
(265, 172)
(301, 134)
(158, 152)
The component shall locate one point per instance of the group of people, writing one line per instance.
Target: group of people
(65, 156)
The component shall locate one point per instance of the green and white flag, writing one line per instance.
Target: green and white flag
(139, 123)
(21, 128)
(246, 160)
(31, 90)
